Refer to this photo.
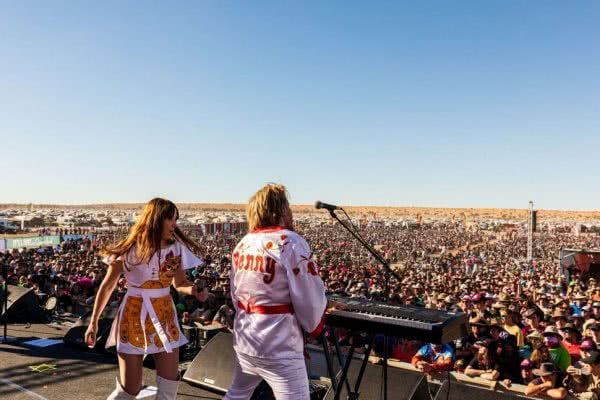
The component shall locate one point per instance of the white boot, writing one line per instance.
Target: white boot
(167, 390)
(119, 393)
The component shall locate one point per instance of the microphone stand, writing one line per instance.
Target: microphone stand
(388, 272)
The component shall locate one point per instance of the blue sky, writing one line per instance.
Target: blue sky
(433, 103)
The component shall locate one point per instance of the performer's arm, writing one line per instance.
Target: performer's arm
(115, 269)
(307, 290)
(180, 281)
(183, 286)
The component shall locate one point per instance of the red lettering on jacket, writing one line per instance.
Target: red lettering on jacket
(269, 270)
(255, 263)
(249, 262)
(259, 264)
(311, 268)
(236, 257)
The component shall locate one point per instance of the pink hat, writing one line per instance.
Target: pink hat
(526, 364)
(587, 345)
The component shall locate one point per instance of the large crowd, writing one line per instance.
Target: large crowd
(528, 324)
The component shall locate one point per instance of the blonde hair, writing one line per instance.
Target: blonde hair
(268, 207)
(146, 233)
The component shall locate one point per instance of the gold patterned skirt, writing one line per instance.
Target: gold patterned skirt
(146, 323)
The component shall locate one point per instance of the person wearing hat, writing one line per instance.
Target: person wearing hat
(560, 318)
(579, 302)
(532, 319)
(560, 356)
(547, 383)
(479, 308)
(596, 309)
(571, 339)
(584, 377)
(479, 332)
(485, 364)
(434, 357)
(510, 326)
(526, 367)
(586, 347)
(533, 339)
(544, 304)
(595, 330)
(587, 332)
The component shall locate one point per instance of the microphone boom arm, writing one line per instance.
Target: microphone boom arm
(386, 266)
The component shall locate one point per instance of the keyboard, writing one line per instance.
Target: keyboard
(404, 321)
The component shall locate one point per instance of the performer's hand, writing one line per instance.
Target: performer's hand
(335, 305)
(90, 334)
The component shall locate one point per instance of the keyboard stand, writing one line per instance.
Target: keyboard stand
(345, 362)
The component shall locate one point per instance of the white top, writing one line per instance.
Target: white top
(147, 320)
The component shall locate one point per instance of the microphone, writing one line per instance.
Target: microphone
(330, 207)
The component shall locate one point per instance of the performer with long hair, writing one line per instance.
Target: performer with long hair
(154, 255)
(277, 294)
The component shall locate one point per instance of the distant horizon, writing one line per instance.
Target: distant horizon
(241, 205)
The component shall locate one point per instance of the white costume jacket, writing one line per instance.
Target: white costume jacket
(277, 293)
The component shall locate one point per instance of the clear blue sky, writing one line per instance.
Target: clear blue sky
(429, 103)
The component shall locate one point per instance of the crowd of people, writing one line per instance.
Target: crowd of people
(529, 325)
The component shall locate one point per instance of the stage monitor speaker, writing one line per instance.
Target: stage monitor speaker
(213, 367)
(76, 335)
(23, 306)
(402, 385)
(460, 391)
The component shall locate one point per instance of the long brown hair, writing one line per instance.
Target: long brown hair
(146, 233)
(268, 207)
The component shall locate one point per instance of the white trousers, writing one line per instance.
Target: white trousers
(287, 378)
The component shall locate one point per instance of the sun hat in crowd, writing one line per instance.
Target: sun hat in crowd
(552, 330)
(535, 334)
(588, 323)
(593, 358)
(530, 312)
(545, 369)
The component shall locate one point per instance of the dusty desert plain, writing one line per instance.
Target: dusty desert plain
(424, 212)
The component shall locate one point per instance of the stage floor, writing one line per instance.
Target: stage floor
(77, 374)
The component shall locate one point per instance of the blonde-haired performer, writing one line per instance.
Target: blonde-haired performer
(277, 294)
(153, 256)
